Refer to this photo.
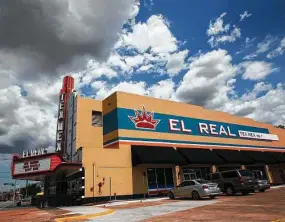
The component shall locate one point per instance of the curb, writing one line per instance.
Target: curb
(84, 217)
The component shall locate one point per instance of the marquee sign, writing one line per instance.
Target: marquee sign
(148, 121)
(32, 166)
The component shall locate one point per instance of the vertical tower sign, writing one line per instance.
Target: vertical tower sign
(67, 87)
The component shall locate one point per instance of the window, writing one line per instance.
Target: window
(230, 174)
(202, 181)
(215, 176)
(187, 183)
(246, 173)
(96, 118)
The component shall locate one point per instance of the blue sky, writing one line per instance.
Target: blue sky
(198, 52)
(189, 21)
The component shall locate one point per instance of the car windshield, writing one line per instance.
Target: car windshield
(246, 173)
(202, 181)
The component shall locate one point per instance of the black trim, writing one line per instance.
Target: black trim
(156, 155)
(261, 157)
(234, 156)
(200, 156)
(280, 157)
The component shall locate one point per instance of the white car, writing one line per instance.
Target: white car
(195, 189)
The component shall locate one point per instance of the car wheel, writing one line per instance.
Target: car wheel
(230, 191)
(171, 196)
(195, 195)
(262, 190)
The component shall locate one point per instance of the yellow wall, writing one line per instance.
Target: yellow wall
(114, 163)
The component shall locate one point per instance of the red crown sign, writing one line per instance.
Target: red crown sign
(144, 120)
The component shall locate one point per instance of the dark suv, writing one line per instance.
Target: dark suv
(233, 181)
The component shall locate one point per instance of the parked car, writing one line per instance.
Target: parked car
(195, 189)
(233, 181)
(261, 184)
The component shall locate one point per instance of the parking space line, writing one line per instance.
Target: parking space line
(278, 220)
(84, 217)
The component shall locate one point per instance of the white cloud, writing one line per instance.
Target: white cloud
(250, 56)
(26, 122)
(220, 33)
(264, 46)
(145, 67)
(244, 15)
(133, 61)
(278, 51)
(218, 26)
(257, 70)
(163, 89)
(97, 85)
(176, 63)
(269, 107)
(210, 76)
(154, 34)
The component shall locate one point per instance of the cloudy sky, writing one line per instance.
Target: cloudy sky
(223, 55)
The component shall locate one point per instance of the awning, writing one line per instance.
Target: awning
(280, 157)
(261, 157)
(156, 155)
(234, 156)
(200, 156)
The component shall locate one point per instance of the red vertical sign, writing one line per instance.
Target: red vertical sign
(67, 87)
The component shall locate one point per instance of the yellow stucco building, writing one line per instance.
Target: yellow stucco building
(129, 146)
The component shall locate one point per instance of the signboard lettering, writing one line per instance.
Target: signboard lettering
(32, 166)
(34, 152)
(60, 123)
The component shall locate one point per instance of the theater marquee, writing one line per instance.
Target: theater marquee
(32, 166)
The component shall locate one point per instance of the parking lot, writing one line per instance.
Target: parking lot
(268, 206)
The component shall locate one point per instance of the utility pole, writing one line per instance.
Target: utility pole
(15, 186)
(26, 188)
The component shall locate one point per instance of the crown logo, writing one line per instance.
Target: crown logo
(144, 120)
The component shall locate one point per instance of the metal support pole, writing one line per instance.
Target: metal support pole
(15, 186)
(93, 184)
(110, 189)
(143, 186)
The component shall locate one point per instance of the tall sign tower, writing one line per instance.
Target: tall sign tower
(67, 87)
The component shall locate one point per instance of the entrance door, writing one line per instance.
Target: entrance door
(160, 180)
(151, 181)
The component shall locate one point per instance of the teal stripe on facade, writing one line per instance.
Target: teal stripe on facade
(187, 142)
(119, 119)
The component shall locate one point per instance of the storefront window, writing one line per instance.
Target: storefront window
(192, 173)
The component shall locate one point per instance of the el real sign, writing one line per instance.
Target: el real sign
(34, 152)
(164, 123)
(60, 123)
(219, 130)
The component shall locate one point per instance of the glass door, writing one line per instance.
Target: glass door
(160, 180)
(151, 181)
(169, 178)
